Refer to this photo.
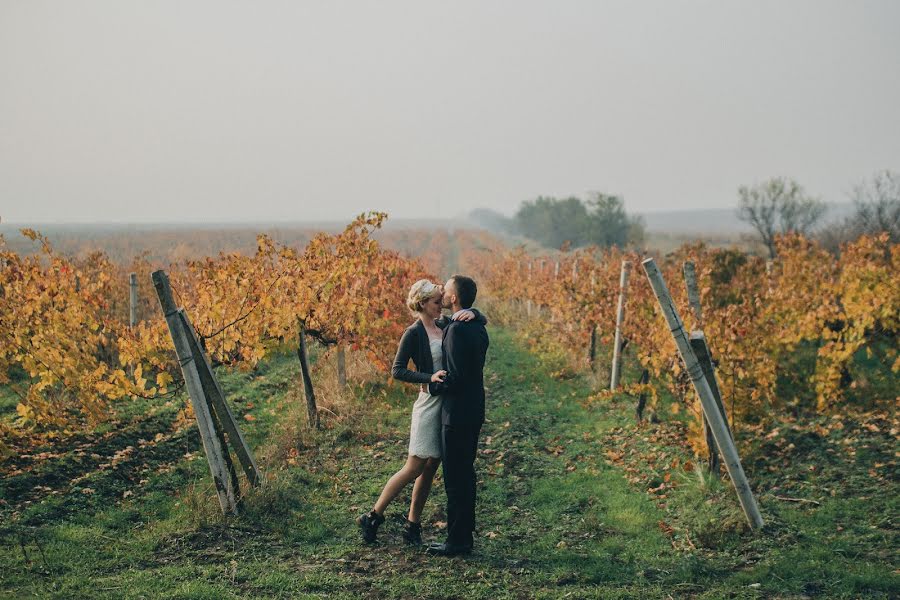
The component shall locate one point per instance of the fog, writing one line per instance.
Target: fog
(207, 111)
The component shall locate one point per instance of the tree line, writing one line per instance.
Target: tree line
(777, 206)
(598, 220)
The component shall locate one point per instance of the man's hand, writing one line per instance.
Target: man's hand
(463, 315)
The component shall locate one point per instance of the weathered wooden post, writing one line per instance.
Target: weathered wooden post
(132, 300)
(341, 366)
(693, 291)
(132, 308)
(707, 400)
(701, 349)
(311, 408)
(620, 317)
(221, 412)
(212, 445)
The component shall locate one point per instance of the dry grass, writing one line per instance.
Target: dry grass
(338, 405)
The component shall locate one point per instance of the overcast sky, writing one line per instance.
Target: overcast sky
(260, 111)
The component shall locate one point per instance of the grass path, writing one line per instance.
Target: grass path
(554, 518)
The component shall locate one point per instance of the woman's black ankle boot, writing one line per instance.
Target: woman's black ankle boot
(368, 524)
(412, 533)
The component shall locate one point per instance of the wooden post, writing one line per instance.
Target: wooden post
(693, 291)
(528, 307)
(556, 271)
(341, 366)
(220, 409)
(132, 309)
(575, 269)
(642, 398)
(593, 281)
(530, 268)
(592, 356)
(132, 300)
(719, 428)
(620, 317)
(701, 349)
(310, 394)
(212, 446)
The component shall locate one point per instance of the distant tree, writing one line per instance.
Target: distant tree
(877, 206)
(779, 205)
(492, 220)
(876, 210)
(600, 220)
(608, 224)
(553, 222)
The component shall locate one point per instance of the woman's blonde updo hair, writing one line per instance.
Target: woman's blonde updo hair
(420, 292)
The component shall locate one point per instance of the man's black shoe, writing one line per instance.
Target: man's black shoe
(448, 549)
(368, 525)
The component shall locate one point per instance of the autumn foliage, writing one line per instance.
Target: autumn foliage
(759, 317)
(67, 350)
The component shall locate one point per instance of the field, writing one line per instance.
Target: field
(558, 515)
(577, 499)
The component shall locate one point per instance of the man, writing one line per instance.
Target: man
(464, 347)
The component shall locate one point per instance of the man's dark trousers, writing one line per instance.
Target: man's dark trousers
(460, 446)
(465, 347)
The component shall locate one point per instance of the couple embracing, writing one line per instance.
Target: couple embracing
(448, 354)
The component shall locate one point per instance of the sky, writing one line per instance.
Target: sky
(220, 111)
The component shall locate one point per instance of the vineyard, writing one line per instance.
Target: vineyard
(788, 335)
(804, 348)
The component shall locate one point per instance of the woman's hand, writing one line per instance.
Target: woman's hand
(439, 376)
(464, 315)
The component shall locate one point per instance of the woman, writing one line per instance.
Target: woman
(421, 342)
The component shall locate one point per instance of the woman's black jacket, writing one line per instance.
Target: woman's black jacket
(414, 345)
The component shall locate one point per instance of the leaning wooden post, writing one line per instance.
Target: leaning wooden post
(707, 400)
(341, 366)
(211, 443)
(620, 317)
(132, 300)
(693, 291)
(701, 349)
(220, 409)
(311, 408)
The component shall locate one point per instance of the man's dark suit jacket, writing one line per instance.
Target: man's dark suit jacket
(464, 349)
(415, 345)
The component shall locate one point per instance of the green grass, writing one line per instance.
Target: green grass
(555, 519)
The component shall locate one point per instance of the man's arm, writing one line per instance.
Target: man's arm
(443, 321)
(454, 362)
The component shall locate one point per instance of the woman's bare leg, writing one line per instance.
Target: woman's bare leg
(412, 469)
(422, 488)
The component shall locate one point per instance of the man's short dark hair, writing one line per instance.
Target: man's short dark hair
(466, 290)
